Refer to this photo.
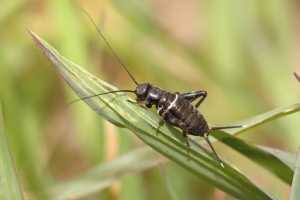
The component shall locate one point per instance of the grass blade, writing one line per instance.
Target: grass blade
(142, 159)
(271, 161)
(266, 159)
(104, 175)
(265, 117)
(144, 124)
(287, 158)
(295, 193)
(9, 184)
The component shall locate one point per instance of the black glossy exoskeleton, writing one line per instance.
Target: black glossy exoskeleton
(175, 108)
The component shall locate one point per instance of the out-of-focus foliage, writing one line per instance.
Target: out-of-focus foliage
(241, 52)
(9, 185)
(295, 193)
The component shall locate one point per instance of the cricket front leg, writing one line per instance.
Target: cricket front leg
(160, 124)
(188, 147)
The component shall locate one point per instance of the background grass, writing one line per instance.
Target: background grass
(242, 53)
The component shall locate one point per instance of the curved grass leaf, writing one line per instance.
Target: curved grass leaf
(169, 141)
(270, 160)
(9, 184)
(142, 159)
(264, 117)
(295, 193)
(106, 174)
(287, 158)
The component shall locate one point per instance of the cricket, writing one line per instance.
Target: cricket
(174, 108)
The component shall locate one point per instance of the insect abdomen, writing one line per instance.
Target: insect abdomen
(192, 120)
(181, 113)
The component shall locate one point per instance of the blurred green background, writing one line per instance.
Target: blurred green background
(242, 52)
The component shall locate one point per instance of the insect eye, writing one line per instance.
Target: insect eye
(142, 90)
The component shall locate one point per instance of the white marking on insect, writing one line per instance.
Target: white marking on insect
(172, 104)
(159, 109)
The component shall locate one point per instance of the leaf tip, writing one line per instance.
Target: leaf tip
(35, 37)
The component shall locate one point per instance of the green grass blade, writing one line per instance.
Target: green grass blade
(266, 159)
(287, 158)
(295, 193)
(142, 159)
(169, 142)
(9, 184)
(106, 174)
(265, 117)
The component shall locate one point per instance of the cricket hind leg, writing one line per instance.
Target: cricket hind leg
(211, 146)
(225, 127)
(213, 149)
(192, 96)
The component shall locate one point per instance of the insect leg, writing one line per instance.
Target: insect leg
(192, 96)
(187, 142)
(224, 127)
(187, 139)
(160, 123)
(213, 150)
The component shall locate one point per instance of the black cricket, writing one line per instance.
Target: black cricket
(174, 108)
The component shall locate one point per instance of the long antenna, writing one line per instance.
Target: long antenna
(109, 46)
(96, 95)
